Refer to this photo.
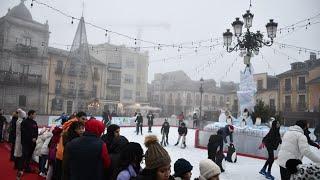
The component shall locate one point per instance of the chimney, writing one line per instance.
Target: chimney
(313, 56)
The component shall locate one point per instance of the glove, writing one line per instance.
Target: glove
(262, 145)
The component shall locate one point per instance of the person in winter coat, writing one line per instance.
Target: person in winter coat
(80, 116)
(12, 133)
(310, 142)
(227, 131)
(139, 123)
(75, 130)
(42, 150)
(182, 130)
(208, 170)
(157, 161)
(165, 132)
(29, 135)
(215, 142)
(150, 118)
(302, 171)
(63, 118)
(106, 118)
(86, 157)
(52, 152)
(3, 120)
(115, 144)
(182, 169)
(130, 159)
(195, 120)
(294, 146)
(180, 118)
(18, 146)
(271, 141)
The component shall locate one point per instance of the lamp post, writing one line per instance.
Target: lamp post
(201, 92)
(249, 42)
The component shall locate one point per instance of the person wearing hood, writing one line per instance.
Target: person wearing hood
(42, 150)
(80, 116)
(18, 146)
(130, 160)
(271, 141)
(295, 146)
(115, 144)
(182, 169)
(208, 170)
(302, 171)
(86, 157)
(157, 161)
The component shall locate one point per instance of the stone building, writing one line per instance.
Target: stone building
(267, 90)
(299, 87)
(23, 61)
(175, 92)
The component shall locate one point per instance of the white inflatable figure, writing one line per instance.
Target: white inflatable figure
(258, 121)
(222, 116)
(229, 120)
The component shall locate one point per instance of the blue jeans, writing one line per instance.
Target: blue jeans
(42, 163)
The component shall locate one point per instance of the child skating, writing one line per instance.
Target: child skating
(182, 130)
(165, 132)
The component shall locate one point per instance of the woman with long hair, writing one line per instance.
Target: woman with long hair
(271, 141)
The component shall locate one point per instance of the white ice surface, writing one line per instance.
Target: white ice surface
(245, 168)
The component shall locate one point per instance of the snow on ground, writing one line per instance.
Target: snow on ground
(245, 168)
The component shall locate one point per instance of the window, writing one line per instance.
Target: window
(138, 93)
(272, 103)
(287, 101)
(178, 99)
(287, 84)
(22, 101)
(189, 101)
(25, 69)
(170, 100)
(27, 41)
(214, 101)
(221, 101)
(128, 79)
(302, 102)
(58, 87)
(59, 67)
(129, 63)
(56, 104)
(71, 85)
(127, 94)
(69, 107)
(206, 100)
(260, 84)
(302, 83)
(115, 76)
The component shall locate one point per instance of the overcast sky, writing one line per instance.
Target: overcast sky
(190, 20)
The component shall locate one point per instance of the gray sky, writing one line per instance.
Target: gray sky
(190, 20)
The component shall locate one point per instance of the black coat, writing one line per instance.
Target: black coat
(225, 132)
(310, 142)
(150, 119)
(215, 141)
(182, 130)
(82, 158)
(272, 139)
(165, 128)
(2, 121)
(12, 132)
(29, 131)
(139, 120)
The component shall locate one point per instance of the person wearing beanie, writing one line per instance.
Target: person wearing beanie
(86, 157)
(182, 130)
(208, 170)
(294, 146)
(182, 169)
(157, 161)
(302, 171)
(130, 159)
(271, 142)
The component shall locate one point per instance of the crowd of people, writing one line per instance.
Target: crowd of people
(79, 149)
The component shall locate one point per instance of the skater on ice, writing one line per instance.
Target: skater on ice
(139, 123)
(165, 132)
(182, 130)
(215, 154)
(150, 117)
(271, 141)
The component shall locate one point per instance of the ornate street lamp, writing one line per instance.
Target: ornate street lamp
(201, 92)
(248, 43)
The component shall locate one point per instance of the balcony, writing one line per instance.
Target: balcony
(82, 94)
(113, 97)
(27, 51)
(301, 107)
(301, 89)
(287, 90)
(114, 67)
(11, 78)
(114, 82)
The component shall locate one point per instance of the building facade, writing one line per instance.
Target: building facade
(174, 92)
(299, 86)
(23, 61)
(267, 90)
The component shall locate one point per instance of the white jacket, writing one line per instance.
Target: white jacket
(42, 144)
(295, 146)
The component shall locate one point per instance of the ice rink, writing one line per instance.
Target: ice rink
(245, 168)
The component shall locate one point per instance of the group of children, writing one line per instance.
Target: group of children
(182, 130)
